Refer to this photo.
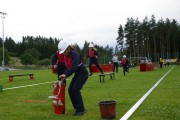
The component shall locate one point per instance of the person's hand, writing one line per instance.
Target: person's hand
(55, 66)
(96, 56)
(62, 77)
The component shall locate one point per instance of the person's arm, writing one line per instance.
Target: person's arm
(96, 54)
(54, 59)
(127, 62)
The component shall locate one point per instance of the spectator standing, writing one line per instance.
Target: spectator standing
(115, 62)
(161, 63)
(168, 62)
(177, 61)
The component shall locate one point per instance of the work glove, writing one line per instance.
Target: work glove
(55, 66)
(62, 77)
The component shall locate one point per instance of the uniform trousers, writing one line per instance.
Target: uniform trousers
(79, 79)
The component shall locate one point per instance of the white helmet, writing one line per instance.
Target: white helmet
(124, 56)
(91, 45)
(62, 46)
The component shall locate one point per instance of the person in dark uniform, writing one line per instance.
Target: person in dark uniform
(78, 81)
(177, 61)
(160, 63)
(93, 56)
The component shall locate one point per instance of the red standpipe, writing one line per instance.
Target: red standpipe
(59, 98)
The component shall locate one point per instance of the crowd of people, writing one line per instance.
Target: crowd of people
(167, 62)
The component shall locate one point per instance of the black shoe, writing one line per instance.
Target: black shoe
(78, 113)
(90, 74)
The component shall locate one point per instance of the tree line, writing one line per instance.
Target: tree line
(150, 38)
(39, 50)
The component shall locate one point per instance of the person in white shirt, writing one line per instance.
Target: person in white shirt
(115, 62)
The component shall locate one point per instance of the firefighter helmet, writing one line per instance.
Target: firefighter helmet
(62, 46)
(91, 45)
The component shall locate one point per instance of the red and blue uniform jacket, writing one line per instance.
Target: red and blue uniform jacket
(75, 63)
(58, 58)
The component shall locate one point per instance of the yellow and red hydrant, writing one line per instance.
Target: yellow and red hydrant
(58, 98)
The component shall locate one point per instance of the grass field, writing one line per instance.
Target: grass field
(162, 104)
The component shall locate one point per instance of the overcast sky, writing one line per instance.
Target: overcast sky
(80, 20)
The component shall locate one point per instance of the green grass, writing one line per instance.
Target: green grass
(162, 104)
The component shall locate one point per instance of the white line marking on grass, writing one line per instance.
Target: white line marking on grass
(131, 111)
(27, 85)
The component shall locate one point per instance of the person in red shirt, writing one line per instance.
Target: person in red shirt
(58, 60)
(125, 64)
(93, 59)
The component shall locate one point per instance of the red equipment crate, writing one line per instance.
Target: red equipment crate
(105, 68)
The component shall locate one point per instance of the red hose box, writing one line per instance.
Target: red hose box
(105, 68)
(143, 67)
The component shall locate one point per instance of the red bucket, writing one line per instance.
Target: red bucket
(108, 109)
